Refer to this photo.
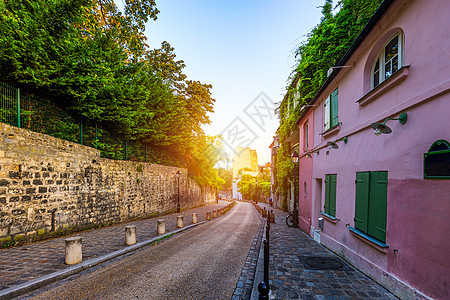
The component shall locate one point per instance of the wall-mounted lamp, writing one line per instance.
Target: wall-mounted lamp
(294, 157)
(276, 141)
(383, 128)
(333, 145)
(309, 154)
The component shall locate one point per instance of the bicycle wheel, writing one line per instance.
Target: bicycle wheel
(290, 221)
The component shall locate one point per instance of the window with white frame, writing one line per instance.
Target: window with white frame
(388, 61)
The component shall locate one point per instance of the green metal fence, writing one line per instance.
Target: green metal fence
(41, 115)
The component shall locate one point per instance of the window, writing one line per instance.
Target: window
(305, 135)
(437, 161)
(389, 61)
(330, 194)
(331, 110)
(371, 203)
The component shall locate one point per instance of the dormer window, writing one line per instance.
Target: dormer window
(389, 60)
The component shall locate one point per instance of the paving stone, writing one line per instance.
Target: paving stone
(289, 279)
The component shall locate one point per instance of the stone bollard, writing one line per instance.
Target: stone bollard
(194, 218)
(161, 226)
(130, 234)
(74, 254)
(179, 221)
(214, 214)
(264, 213)
(208, 216)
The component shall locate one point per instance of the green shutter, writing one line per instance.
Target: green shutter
(362, 200)
(333, 179)
(378, 205)
(334, 108)
(327, 194)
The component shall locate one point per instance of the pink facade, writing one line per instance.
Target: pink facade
(414, 259)
(305, 172)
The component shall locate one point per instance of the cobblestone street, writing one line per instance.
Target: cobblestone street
(291, 275)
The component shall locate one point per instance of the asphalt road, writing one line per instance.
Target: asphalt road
(202, 263)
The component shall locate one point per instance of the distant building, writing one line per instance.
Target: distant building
(245, 161)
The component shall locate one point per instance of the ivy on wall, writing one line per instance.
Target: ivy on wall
(325, 46)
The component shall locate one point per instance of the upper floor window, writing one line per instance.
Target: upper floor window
(305, 135)
(388, 61)
(331, 110)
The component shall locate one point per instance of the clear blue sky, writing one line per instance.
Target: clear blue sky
(242, 48)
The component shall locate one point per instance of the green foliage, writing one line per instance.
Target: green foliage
(255, 188)
(227, 176)
(90, 60)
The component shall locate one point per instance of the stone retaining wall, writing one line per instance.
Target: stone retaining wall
(48, 184)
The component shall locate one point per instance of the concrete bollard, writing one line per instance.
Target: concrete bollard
(130, 234)
(179, 221)
(161, 226)
(214, 214)
(74, 254)
(194, 218)
(208, 215)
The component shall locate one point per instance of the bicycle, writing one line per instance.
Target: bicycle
(290, 221)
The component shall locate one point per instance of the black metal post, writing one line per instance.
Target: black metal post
(295, 210)
(178, 202)
(263, 287)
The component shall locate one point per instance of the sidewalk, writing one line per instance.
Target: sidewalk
(22, 264)
(294, 269)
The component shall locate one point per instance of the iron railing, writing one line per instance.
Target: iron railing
(41, 115)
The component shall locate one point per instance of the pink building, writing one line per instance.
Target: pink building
(385, 198)
(306, 123)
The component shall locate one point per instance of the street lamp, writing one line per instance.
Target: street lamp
(178, 174)
(294, 158)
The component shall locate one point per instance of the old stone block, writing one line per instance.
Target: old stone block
(42, 189)
(17, 212)
(2, 191)
(14, 199)
(31, 190)
(4, 182)
(161, 226)
(130, 234)
(37, 182)
(3, 200)
(15, 230)
(13, 174)
(179, 221)
(26, 198)
(26, 182)
(15, 191)
(73, 250)
(49, 181)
